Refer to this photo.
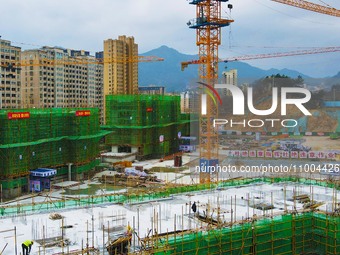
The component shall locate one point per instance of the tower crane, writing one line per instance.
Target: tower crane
(269, 55)
(208, 24)
(76, 61)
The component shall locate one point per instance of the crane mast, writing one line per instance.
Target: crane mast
(208, 24)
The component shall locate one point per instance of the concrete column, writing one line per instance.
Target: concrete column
(70, 171)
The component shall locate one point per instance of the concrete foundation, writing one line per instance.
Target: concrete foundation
(112, 157)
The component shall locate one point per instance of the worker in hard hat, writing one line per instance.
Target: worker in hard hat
(129, 230)
(26, 247)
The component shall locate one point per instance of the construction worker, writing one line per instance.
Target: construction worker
(129, 230)
(194, 207)
(26, 247)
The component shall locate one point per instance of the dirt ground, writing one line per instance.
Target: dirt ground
(322, 143)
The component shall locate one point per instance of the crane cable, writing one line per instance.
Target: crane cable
(292, 16)
(326, 4)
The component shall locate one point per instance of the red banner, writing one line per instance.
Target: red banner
(18, 115)
(83, 113)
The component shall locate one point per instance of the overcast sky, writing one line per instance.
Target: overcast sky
(261, 26)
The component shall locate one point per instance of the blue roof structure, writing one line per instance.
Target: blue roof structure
(43, 172)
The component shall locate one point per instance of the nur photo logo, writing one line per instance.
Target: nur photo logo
(238, 106)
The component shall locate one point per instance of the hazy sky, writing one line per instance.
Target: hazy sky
(261, 26)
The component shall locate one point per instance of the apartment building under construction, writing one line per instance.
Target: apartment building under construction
(147, 125)
(63, 139)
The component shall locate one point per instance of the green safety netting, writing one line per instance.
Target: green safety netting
(47, 123)
(140, 120)
(162, 193)
(142, 110)
(47, 138)
(286, 234)
(79, 168)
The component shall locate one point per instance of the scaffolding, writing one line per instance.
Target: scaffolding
(149, 122)
(34, 138)
(30, 125)
(293, 231)
(285, 234)
(156, 194)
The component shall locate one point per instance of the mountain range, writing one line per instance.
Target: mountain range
(168, 73)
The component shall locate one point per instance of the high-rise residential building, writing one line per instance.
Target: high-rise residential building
(99, 97)
(190, 102)
(80, 79)
(42, 80)
(57, 77)
(10, 82)
(120, 66)
(229, 77)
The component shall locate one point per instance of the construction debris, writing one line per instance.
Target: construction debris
(130, 178)
(55, 216)
(303, 198)
(119, 245)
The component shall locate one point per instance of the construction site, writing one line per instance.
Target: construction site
(155, 180)
(257, 215)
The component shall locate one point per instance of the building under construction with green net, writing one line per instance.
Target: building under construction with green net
(148, 125)
(305, 233)
(292, 229)
(65, 139)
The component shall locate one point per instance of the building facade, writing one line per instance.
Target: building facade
(57, 77)
(99, 96)
(151, 90)
(42, 80)
(10, 83)
(120, 59)
(190, 102)
(229, 77)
